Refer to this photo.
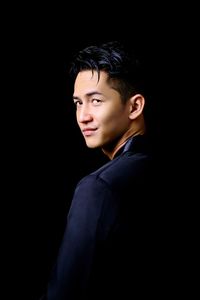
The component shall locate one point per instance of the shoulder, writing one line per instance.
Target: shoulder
(92, 198)
(127, 165)
(126, 168)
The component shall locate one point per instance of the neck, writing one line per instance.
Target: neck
(112, 149)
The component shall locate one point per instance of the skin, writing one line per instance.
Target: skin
(103, 119)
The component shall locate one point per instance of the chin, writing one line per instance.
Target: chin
(92, 145)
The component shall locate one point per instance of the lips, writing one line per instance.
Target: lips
(88, 131)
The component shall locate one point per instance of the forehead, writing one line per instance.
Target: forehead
(90, 78)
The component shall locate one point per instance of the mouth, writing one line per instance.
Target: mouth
(89, 131)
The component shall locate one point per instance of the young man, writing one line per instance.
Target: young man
(111, 245)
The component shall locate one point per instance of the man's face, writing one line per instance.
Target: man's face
(101, 115)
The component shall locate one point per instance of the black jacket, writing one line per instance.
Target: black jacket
(113, 243)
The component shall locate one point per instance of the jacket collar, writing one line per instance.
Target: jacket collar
(137, 143)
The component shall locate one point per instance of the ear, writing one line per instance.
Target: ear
(136, 103)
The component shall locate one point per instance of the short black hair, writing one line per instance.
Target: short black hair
(124, 69)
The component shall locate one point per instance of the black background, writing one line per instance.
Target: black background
(45, 152)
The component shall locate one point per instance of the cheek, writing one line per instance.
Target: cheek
(111, 125)
(114, 118)
(77, 117)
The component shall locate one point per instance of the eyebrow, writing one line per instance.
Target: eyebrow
(88, 95)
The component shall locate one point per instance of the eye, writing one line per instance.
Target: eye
(96, 101)
(77, 102)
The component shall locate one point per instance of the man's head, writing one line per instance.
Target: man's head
(122, 67)
(108, 96)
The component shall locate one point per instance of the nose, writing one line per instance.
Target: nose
(83, 114)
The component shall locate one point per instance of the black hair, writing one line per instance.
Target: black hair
(123, 67)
